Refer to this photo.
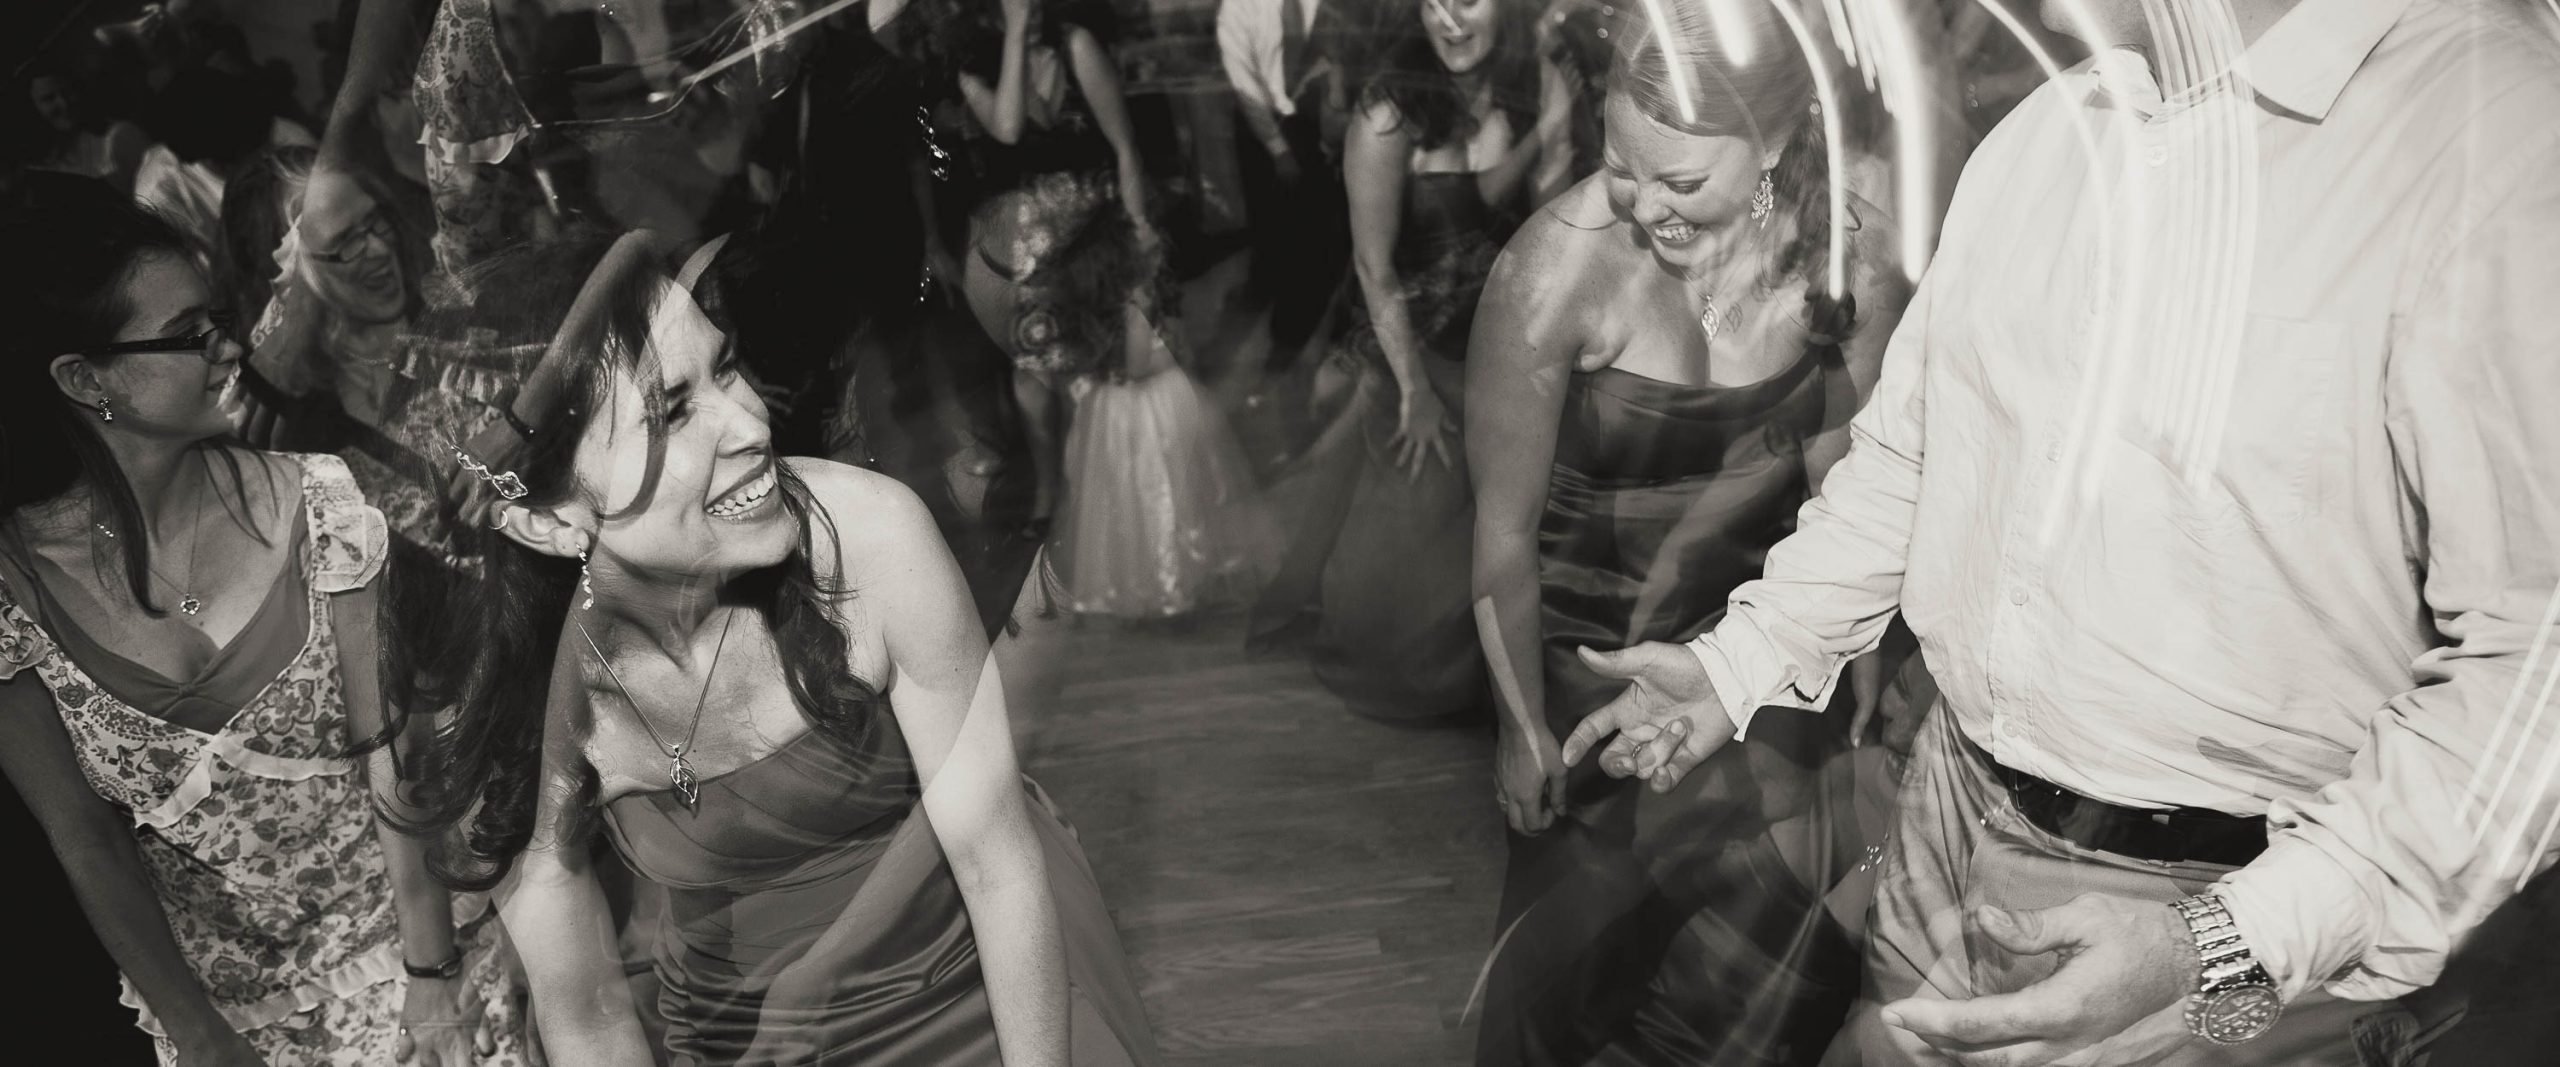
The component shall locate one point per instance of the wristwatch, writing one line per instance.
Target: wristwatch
(2235, 1000)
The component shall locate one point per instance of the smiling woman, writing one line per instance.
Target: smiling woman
(1658, 381)
(186, 659)
(669, 639)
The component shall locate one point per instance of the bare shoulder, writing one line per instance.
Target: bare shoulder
(863, 522)
(1558, 256)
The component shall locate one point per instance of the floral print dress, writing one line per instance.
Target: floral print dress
(259, 838)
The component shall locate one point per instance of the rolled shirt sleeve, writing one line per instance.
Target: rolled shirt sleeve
(2369, 884)
(1829, 590)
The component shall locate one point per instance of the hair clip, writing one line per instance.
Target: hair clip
(509, 486)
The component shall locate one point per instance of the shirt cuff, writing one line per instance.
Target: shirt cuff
(1728, 685)
(2306, 920)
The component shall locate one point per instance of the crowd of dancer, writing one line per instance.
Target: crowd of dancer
(534, 560)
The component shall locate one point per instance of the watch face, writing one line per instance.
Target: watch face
(2237, 1014)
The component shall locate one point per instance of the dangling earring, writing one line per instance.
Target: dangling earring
(1763, 201)
(106, 410)
(586, 579)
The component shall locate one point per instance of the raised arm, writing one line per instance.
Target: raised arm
(1518, 364)
(999, 107)
(1098, 77)
(1373, 173)
(95, 844)
(378, 51)
(950, 705)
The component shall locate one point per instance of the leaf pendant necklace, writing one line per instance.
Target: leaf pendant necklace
(680, 774)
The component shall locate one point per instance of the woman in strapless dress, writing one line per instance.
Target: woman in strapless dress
(1661, 374)
(764, 682)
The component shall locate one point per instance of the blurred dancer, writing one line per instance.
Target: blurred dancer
(1659, 378)
(67, 135)
(2226, 689)
(331, 313)
(189, 668)
(1284, 83)
(1066, 269)
(852, 875)
(1440, 161)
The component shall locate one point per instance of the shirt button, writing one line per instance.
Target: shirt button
(2018, 597)
(2155, 155)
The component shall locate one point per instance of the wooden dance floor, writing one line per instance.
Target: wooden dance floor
(1297, 887)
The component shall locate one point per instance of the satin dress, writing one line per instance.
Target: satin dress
(1390, 558)
(810, 919)
(1675, 928)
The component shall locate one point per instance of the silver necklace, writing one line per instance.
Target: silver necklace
(188, 603)
(688, 785)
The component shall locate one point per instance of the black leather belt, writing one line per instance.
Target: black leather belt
(2166, 835)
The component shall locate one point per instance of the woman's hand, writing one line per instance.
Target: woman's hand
(224, 1048)
(1528, 774)
(1017, 13)
(443, 1024)
(1422, 429)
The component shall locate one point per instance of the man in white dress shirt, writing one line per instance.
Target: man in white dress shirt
(2216, 464)
(1284, 84)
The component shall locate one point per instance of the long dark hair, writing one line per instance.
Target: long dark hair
(1393, 64)
(1768, 102)
(479, 783)
(91, 240)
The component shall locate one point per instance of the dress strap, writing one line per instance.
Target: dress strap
(349, 538)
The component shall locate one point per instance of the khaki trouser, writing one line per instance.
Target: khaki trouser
(1958, 843)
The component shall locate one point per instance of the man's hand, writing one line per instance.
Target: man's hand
(2127, 965)
(1666, 721)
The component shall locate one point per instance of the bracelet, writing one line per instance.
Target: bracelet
(446, 971)
(506, 405)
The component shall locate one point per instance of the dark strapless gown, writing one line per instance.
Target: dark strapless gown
(1675, 928)
(1392, 575)
(810, 919)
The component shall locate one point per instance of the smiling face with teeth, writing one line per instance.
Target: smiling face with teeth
(715, 505)
(1678, 191)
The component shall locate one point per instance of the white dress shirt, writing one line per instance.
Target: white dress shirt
(2220, 469)
(1249, 36)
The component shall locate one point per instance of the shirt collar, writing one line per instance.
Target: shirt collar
(2299, 64)
(2303, 62)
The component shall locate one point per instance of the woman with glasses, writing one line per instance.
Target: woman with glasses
(330, 293)
(188, 680)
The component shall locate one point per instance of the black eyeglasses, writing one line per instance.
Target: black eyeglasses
(375, 227)
(207, 344)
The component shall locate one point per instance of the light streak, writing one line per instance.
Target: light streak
(1897, 65)
(759, 44)
(1834, 159)
(1731, 31)
(1673, 71)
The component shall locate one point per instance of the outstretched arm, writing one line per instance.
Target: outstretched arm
(1373, 172)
